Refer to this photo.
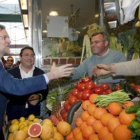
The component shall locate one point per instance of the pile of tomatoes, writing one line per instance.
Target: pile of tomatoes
(82, 90)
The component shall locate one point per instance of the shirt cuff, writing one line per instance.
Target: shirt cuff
(46, 78)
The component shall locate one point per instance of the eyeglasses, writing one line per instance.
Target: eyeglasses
(28, 55)
(10, 60)
(5, 37)
(95, 42)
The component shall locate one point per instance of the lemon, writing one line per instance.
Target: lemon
(31, 117)
(15, 121)
(13, 128)
(22, 119)
(35, 120)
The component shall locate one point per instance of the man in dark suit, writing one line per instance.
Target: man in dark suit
(34, 103)
(10, 85)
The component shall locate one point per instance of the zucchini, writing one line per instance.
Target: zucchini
(72, 110)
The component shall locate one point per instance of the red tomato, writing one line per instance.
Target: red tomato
(90, 85)
(132, 85)
(118, 87)
(67, 105)
(98, 90)
(86, 94)
(64, 116)
(77, 85)
(81, 87)
(72, 99)
(79, 95)
(75, 91)
(85, 80)
(62, 111)
(109, 91)
(137, 88)
(105, 86)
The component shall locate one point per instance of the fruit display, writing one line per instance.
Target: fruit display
(34, 128)
(108, 122)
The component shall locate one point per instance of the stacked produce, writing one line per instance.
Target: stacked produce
(103, 117)
(36, 129)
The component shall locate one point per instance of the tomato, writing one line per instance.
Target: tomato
(137, 88)
(118, 87)
(75, 91)
(109, 91)
(90, 85)
(67, 105)
(85, 80)
(98, 90)
(132, 85)
(64, 116)
(86, 94)
(72, 99)
(77, 85)
(105, 86)
(79, 95)
(62, 111)
(81, 87)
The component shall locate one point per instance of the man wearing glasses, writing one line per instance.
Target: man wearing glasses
(99, 45)
(9, 62)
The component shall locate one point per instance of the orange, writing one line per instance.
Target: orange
(113, 123)
(92, 97)
(97, 125)
(99, 112)
(94, 137)
(86, 104)
(84, 115)
(76, 130)
(78, 136)
(122, 133)
(126, 118)
(87, 131)
(109, 136)
(64, 128)
(78, 121)
(105, 118)
(127, 104)
(69, 136)
(90, 120)
(103, 132)
(114, 108)
(91, 109)
(82, 126)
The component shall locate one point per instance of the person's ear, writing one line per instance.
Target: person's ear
(106, 43)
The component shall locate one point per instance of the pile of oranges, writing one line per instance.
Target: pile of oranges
(108, 123)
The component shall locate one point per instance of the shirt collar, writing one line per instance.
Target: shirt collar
(104, 54)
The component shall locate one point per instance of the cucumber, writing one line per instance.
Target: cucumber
(72, 110)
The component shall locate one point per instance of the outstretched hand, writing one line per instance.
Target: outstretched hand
(101, 69)
(59, 72)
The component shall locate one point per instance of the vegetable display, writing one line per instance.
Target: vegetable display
(116, 96)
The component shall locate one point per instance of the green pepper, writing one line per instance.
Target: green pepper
(138, 118)
(137, 131)
(132, 109)
(138, 113)
(135, 125)
(133, 135)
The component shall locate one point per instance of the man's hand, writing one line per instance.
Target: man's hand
(103, 69)
(33, 99)
(59, 72)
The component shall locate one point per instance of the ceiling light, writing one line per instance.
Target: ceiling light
(44, 31)
(97, 15)
(53, 13)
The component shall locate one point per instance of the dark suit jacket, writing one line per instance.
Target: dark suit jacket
(10, 85)
(16, 106)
